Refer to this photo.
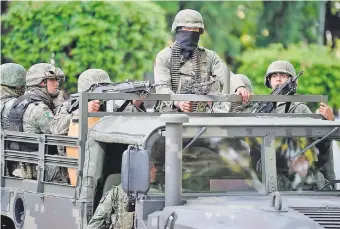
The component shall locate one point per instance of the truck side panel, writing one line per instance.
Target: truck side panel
(35, 211)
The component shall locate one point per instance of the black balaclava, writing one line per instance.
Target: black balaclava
(188, 40)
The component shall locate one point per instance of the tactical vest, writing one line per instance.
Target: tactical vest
(16, 120)
(3, 102)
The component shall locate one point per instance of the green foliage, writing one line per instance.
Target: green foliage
(321, 68)
(121, 38)
(288, 22)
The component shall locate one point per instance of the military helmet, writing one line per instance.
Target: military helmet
(279, 66)
(39, 72)
(91, 77)
(13, 75)
(188, 18)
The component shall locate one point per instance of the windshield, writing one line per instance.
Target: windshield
(234, 164)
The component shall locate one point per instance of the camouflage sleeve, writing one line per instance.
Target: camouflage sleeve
(301, 109)
(219, 69)
(101, 219)
(61, 120)
(324, 147)
(42, 117)
(162, 74)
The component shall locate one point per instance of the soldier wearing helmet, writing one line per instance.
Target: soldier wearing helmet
(33, 111)
(184, 60)
(86, 81)
(277, 74)
(12, 86)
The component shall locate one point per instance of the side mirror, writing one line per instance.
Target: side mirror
(135, 170)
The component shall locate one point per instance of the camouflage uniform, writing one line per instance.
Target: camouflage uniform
(62, 119)
(173, 66)
(13, 77)
(318, 155)
(38, 113)
(61, 122)
(111, 212)
(222, 107)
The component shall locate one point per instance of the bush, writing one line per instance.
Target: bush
(321, 69)
(121, 38)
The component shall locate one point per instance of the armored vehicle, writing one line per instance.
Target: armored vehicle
(213, 188)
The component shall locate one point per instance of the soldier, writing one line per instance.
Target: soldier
(237, 107)
(33, 111)
(63, 119)
(184, 61)
(13, 77)
(61, 122)
(111, 212)
(277, 74)
(12, 86)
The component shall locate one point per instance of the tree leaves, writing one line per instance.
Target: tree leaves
(118, 37)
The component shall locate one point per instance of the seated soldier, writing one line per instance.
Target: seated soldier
(111, 212)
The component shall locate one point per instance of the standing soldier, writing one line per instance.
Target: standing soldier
(184, 61)
(33, 112)
(13, 77)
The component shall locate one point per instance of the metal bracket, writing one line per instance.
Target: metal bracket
(275, 204)
(276, 201)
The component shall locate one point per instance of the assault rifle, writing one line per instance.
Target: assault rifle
(141, 88)
(288, 88)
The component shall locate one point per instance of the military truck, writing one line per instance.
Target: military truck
(117, 150)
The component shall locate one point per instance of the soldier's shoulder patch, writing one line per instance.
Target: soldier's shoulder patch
(49, 114)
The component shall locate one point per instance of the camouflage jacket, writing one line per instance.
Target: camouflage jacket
(37, 118)
(8, 96)
(111, 212)
(212, 68)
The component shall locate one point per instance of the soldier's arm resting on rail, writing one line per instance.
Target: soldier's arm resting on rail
(219, 69)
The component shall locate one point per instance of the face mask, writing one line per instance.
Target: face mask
(188, 39)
